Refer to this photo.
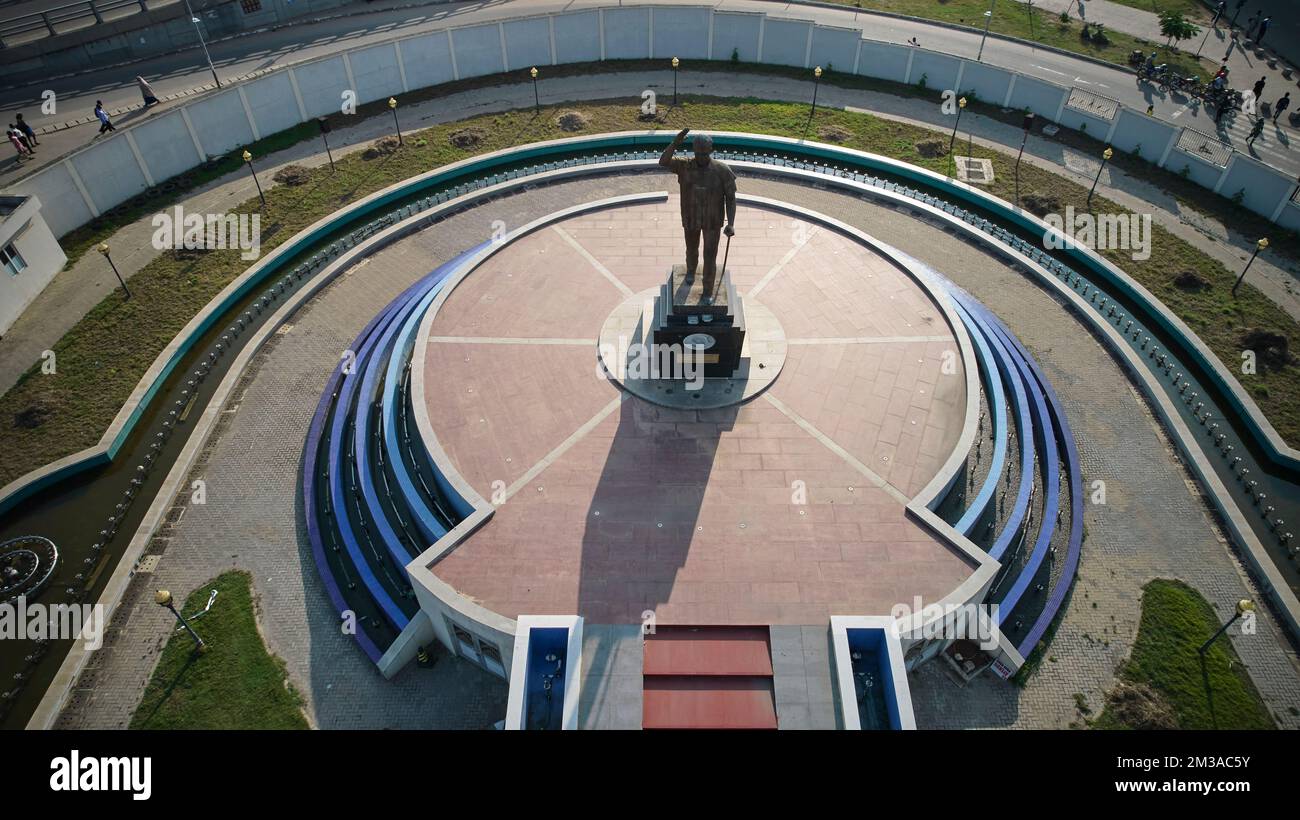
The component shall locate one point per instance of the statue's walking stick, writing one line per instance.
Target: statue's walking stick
(725, 252)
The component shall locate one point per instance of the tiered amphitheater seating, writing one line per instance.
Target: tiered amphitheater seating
(1028, 531)
(372, 499)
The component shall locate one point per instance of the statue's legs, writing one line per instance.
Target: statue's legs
(711, 236)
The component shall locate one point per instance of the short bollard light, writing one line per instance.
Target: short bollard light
(392, 106)
(537, 101)
(103, 248)
(1259, 246)
(163, 598)
(676, 64)
(248, 158)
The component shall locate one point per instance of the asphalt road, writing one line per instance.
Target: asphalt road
(238, 56)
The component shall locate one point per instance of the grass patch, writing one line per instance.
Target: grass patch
(1015, 19)
(104, 355)
(1218, 694)
(236, 684)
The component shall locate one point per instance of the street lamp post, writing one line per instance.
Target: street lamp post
(1259, 246)
(325, 129)
(248, 158)
(817, 79)
(537, 101)
(392, 106)
(199, 31)
(163, 598)
(1202, 45)
(676, 63)
(1243, 606)
(961, 106)
(1105, 157)
(988, 18)
(103, 248)
(1026, 126)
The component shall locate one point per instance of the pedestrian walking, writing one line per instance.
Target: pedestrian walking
(18, 132)
(26, 129)
(1281, 105)
(105, 124)
(12, 134)
(1263, 29)
(146, 91)
(1218, 12)
(1259, 88)
(1255, 130)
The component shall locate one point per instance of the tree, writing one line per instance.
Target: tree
(1176, 27)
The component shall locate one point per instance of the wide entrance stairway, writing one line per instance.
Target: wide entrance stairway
(709, 677)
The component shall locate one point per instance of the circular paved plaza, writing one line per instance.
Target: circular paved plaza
(612, 507)
(545, 549)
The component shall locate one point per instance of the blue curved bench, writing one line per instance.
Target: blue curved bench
(377, 367)
(1024, 429)
(1065, 437)
(341, 474)
(1050, 469)
(431, 523)
(997, 401)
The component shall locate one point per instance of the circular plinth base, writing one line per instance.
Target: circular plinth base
(626, 357)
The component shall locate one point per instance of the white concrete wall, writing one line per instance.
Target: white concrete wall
(627, 32)
(989, 84)
(1136, 132)
(528, 43)
(322, 83)
(939, 70)
(427, 59)
(271, 101)
(736, 32)
(681, 32)
(1044, 99)
(220, 122)
(375, 72)
(109, 172)
(835, 49)
(478, 50)
(885, 61)
(785, 42)
(577, 37)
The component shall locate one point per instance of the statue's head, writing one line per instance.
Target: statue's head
(703, 145)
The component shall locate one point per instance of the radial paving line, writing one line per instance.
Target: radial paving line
(871, 475)
(593, 261)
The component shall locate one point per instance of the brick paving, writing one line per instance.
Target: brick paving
(1154, 524)
(692, 513)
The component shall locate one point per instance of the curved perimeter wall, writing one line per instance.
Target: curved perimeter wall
(93, 180)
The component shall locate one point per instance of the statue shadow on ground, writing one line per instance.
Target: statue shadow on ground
(646, 507)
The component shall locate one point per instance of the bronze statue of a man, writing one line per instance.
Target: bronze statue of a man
(708, 189)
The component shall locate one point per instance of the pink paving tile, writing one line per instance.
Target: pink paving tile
(691, 514)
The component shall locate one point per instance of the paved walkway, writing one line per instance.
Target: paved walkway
(249, 519)
(74, 292)
(187, 73)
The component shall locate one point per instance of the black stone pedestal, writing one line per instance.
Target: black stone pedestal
(691, 323)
